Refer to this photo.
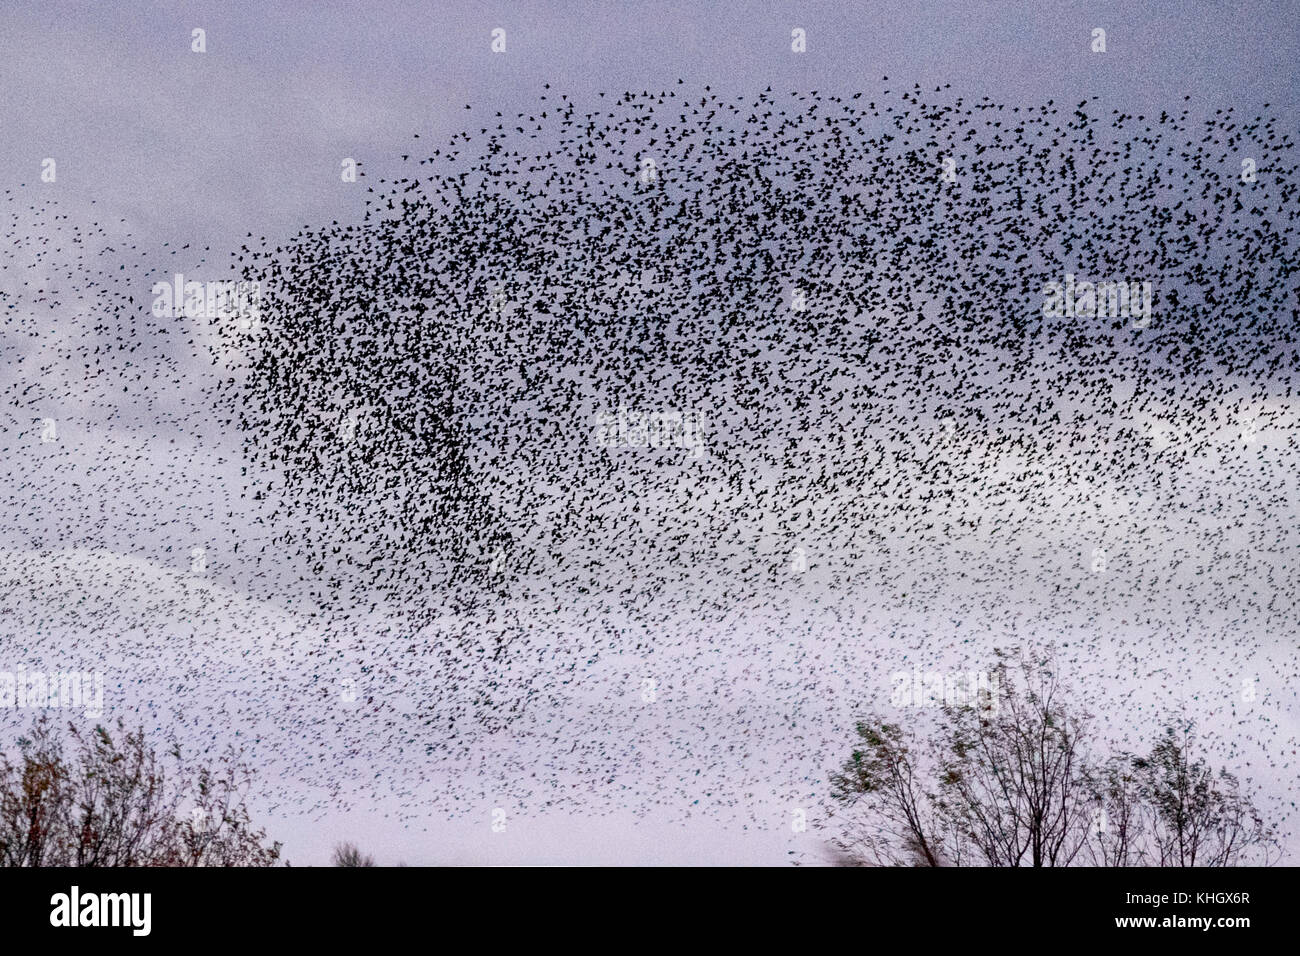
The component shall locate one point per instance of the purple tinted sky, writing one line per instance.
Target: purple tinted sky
(248, 138)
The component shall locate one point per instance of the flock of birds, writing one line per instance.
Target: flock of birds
(372, 536)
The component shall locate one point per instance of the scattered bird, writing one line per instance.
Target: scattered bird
(618, 460)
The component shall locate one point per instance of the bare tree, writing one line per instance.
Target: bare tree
(1117, 833)
(1012, 777)
(347, 854)
(1195, 817)
(900, 825)
(33, 797)
(114, 803)
(1013, 782)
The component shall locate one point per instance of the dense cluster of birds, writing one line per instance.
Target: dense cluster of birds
(422, 572)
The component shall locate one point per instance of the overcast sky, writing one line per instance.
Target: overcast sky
(174, 147)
